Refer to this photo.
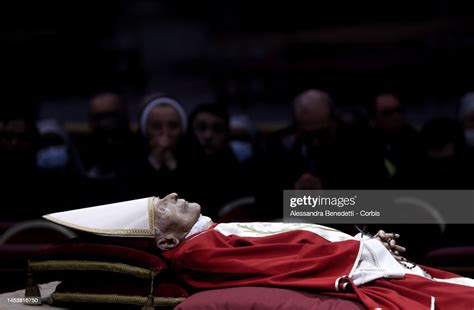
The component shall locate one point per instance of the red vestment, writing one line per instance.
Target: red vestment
(305, 261)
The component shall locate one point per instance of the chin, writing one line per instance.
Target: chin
(195, 206)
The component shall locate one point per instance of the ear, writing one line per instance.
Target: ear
(167, 243)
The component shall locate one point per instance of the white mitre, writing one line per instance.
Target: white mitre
(133, 218)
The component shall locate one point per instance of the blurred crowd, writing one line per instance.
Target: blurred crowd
(222, 161)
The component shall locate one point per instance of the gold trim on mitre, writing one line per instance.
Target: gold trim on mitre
(149, 233)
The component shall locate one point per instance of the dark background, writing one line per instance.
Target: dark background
(254, 56)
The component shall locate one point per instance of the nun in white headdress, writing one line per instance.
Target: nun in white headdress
(162, 123)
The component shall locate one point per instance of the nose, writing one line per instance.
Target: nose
(165, 132)
(172, 196)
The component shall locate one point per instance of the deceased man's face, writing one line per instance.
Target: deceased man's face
(174, 218)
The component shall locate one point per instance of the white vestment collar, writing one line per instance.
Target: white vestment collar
(203, 223)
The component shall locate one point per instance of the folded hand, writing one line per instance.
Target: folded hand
(389, 241)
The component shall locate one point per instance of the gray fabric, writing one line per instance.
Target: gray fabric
(46, 290)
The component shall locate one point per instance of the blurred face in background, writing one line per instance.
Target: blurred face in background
(15, 137)
(17, 145)
(107, 120)
(468, 120)
(211, 132)
(164, 127)
(389, 115)
(313, 119)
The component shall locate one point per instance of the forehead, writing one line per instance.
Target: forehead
(16, 126)
(206, 117)
(313, 117)
(163, 113)
(386, 101)
(162, 203)
(469, 115)
(169, 207)
(105, 103)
